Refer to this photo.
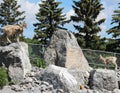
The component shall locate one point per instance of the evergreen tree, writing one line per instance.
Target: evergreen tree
(50, 18)
(9, 13)
(86, 12)
(115, 31)
(111, 45)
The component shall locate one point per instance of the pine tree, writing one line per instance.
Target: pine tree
(86, 13)
(9, 13)
(111, 45)
(115, 31)
(50, 18)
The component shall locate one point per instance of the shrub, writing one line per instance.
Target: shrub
(3, 77)
(39, 62)
(36, 55)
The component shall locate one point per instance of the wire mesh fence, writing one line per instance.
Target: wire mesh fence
(93, 58)
(36, 52)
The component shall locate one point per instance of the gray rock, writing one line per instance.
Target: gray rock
(94, 91)
(90, 91)
(7, 89)
(103, 79)
(64, 51)
(30, 84)
(16, 58)
(16, 88)
(118, 78)
(60, 78)
(116, 91)
(81, 76)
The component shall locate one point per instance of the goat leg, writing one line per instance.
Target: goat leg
(18, 38)
(105, 65)
(8, 39)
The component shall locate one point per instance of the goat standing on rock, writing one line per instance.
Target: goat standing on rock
(108, 60)
(13, 30)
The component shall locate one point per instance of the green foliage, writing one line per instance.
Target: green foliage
(50, 18)
(113, 45)
(29, 40)
(115, 31)
(86, 12)
(35, 52)
(3, 77)
(37, 61)
(96, 43)
(36, 55)
(9, 13)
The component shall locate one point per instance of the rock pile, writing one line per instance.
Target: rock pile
(49, 81)
(32, 84)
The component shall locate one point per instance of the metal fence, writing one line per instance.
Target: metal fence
(93, 55)
(36, 52)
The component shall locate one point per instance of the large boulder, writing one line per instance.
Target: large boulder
(64, 51)
(103, 79)
(59, 77)
(16, 58)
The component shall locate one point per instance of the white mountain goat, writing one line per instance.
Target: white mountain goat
(108, 60)
(13, 30)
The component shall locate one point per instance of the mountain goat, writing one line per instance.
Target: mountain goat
(108, 60)
(13, 30)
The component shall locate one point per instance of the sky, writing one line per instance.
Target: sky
(31, 8)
